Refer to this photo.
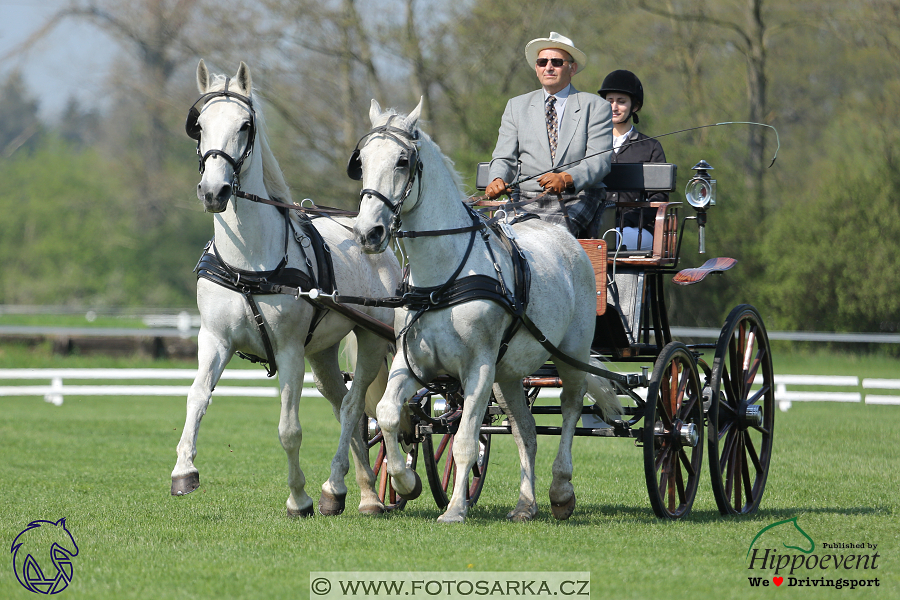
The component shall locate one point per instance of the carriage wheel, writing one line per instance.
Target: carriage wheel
(741, 418)
(437, 452)
(673, 432)
(383, 481)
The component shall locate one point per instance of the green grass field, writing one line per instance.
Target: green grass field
(104, 465)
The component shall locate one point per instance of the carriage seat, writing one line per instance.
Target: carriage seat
(645, 179)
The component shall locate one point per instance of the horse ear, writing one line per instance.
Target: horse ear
(243, 78)
(413, 117)
(202, 77)
(374, 111)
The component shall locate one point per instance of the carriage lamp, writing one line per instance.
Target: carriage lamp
(700, 193)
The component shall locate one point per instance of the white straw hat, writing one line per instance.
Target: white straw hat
(558, 42)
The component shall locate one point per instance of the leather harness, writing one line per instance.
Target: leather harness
(280, 280)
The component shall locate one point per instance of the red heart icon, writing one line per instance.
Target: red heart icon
(778, 580)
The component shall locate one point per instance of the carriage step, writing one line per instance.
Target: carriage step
(698, 274)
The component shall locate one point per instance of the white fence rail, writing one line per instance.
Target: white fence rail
(785, 397)
(57, 386)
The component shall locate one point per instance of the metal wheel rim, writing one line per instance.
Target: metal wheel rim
(740, 452)
(672, 467)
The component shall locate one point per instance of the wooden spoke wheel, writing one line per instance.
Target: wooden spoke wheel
(437, 452)
(383, 481)
(741, 413)
(673, 432)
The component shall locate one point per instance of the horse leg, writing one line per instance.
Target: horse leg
(562, 492)
(400, 388)
(511, 398)
(290, 378)
(465, 442)
(371, 375)
(212, 357)
(347, 408)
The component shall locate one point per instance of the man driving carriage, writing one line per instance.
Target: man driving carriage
(546, 130)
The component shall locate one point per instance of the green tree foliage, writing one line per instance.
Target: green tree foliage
(69, 236)
(841, 268)
(832, 259)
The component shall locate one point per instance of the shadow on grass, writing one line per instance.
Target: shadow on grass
(591, 514)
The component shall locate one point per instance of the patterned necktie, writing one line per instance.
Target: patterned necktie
(552, 126)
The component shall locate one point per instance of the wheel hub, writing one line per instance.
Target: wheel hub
(684, 434)
(753, 416)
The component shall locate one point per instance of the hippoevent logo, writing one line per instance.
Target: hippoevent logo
(42, 556)
(784, 554)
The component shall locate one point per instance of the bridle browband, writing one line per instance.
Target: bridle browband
(409, 142)
(192, 128)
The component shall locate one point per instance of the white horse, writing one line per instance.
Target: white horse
(464, 340)
(250, 238)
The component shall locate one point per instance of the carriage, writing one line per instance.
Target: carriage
(249, 307)
(667, 414)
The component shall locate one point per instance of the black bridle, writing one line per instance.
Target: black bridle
(193, 130)
(409, 142)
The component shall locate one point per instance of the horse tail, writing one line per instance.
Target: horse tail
(602, 393)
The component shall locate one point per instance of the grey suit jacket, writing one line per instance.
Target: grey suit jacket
(585, 129)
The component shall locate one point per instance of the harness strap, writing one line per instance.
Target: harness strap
(314, 210)
(280, 280)
(472, 287)
(438, 232)
(269, 363)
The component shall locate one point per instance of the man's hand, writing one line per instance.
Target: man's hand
(556, 183)
(496, 188)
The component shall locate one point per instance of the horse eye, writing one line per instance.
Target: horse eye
(402, 162)
(245, 125)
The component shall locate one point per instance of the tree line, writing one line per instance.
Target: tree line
(99, 206)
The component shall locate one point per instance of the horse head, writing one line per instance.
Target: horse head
(223, 121)
(387, 161)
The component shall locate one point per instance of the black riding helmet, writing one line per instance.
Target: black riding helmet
(627, 83)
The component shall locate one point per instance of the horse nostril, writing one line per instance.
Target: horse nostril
(225, 192)
(375, 236)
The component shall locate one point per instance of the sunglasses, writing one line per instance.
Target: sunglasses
(556, 62)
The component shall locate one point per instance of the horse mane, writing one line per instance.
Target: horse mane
(273, 177)
(429, 149)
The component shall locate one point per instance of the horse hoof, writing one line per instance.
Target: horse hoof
(303, 512)
(454, 519)
(185, 484)
(521, 515)
(373, 510)
(563, 510)
(416, 491)
(331, 505)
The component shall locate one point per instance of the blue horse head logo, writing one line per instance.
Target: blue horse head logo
(42, 556)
